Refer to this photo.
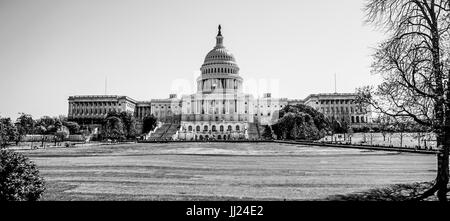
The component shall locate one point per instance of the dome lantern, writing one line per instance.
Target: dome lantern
(219, 38)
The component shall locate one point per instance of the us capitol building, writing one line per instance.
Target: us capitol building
(218, 109)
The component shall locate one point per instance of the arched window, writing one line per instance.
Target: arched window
(221, 128)
(229, 127)
(205, 128)
(237, 128)
(357, 119)
(214, 128)
(197, 128)
(190, 128)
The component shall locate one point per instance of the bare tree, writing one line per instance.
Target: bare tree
(415, 65)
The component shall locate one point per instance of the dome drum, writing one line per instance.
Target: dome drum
(219, 85)
(219, 69)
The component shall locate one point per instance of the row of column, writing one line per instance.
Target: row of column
(341, 110)
(93, 111)
(141, 112)
(94, 104)
(216, 107)
(221, 83)
(219, 70)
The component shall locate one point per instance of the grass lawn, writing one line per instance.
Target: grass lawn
(222, 171)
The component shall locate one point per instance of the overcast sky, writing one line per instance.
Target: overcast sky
(52, 49)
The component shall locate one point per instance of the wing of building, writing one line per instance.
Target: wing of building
(219, 109)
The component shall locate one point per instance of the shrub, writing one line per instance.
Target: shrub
(19, 178)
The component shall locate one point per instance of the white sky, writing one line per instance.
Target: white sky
(52, 49)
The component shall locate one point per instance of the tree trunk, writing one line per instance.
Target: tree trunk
(443, 143)
(443, 173)
(441, 112)
(418, 140)
(401, 139)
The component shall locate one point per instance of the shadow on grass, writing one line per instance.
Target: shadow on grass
(57, 191)
(397, 192)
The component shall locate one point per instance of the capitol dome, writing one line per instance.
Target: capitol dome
(219, 54)
(219, 60)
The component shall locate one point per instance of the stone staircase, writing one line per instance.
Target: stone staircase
(253, 131)
(172, 130)
(165, 132)
(160, 131)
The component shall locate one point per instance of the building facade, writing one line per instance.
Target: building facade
(167, 110)
(219, 108)
(340, 107)
(91, 110)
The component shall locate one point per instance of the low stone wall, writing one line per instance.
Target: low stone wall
(206, 141)
(397, 149)
(312, 143)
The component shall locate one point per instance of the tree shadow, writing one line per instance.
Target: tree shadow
(397, 192)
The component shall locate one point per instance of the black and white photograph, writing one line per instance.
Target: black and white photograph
(224, 101)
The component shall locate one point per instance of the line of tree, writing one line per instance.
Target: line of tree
(115, 126)
(25, 124)
(122, 125)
